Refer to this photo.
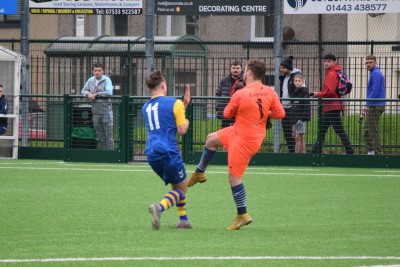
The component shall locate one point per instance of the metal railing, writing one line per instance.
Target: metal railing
(65, 124)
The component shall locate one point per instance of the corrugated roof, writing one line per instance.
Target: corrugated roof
(186, 45)
(8, 55)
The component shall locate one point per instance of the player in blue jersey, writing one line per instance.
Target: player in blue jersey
(164, 117)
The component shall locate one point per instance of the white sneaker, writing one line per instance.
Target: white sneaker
(155, 212)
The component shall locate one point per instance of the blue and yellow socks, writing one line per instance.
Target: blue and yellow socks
(181, 207)
(170, 199)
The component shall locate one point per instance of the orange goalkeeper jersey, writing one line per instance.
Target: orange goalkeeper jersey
(250, 107)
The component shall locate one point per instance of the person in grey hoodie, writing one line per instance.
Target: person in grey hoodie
(287, 90)
(97, 89)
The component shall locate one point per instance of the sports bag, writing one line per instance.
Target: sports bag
(344, 86)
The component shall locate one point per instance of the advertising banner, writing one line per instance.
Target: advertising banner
(213, 7)
(8, 7)
(86, 7)
(340, 6)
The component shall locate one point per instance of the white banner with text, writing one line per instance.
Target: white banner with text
(340, 6)
(87, 7)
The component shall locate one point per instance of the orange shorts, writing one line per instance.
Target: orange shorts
(240, 152)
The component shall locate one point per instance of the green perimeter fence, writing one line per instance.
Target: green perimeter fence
(63, 65)
(60, 127)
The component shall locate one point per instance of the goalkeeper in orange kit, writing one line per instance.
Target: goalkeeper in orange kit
(251, 107)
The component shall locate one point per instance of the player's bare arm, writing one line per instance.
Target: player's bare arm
(186, 97)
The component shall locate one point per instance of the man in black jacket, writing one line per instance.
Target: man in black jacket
(226, 88)
(287, 89)
(3, 111)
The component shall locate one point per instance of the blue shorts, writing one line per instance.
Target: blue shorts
(171, 170)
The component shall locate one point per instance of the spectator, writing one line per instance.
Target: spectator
(3, 111)
(302, 111)
(226, 88)
(331, 109)
(96, 89)
(374, 109)
(164, 117)
(287, 89)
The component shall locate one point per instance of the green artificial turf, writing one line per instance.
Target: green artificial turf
(85, 214)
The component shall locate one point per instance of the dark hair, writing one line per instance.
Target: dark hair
(236, 63)
(371, 57)
(154, 79)
(1, 86)
(257, 67)
(97, 65)
(330, 56)
(287, 63)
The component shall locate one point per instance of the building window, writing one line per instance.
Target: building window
(192, 25)
(262, 27)
(10, 21)
(182, 25)
(121, 25)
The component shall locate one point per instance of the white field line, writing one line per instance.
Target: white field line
(145, 165)
(15, 162)
(198, 258)
(212, 172)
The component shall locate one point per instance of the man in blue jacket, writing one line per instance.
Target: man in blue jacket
(374, 109)
(3, 111)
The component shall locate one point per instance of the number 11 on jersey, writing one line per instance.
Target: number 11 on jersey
(153, 109)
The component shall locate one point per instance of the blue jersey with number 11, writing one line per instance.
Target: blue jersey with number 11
(161, 128)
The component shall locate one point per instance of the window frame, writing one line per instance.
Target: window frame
(253, 37)
(169, 22)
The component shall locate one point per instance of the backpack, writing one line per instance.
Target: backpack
(344, 86)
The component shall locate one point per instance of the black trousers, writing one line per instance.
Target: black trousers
(287, 124)
(333, 118)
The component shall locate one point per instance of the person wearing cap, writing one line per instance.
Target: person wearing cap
(3, 111)
(331, 109)
(287, 90)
